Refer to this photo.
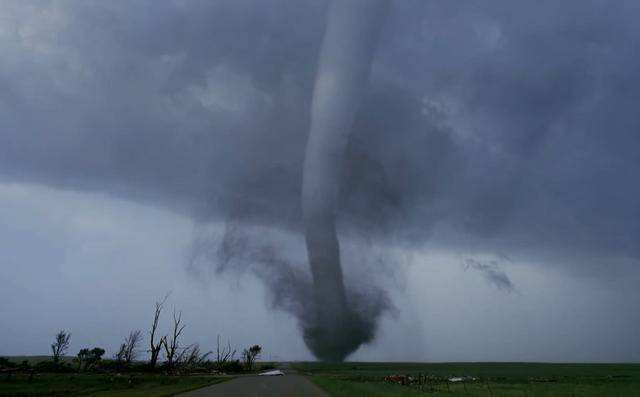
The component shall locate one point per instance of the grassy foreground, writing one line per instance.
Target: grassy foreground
(492, 379)
(100, 385)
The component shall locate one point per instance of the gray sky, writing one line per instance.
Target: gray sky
(489, 192)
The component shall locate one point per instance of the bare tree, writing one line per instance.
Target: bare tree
(191, 357)
(131, 343)
(60, 345)
(224, 355)
(249, 355)
(119, 356)
(172, 345)
(156, 346)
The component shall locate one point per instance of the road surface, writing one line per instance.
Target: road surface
(289, 385)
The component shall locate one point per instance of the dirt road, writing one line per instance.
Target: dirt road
(289, 385)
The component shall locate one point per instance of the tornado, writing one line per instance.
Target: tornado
(335, 328)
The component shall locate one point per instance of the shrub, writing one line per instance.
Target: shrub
(232, 366)
(6, 363)
(87, 359)
(50, 366)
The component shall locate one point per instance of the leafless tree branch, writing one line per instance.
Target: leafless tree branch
(156, 346)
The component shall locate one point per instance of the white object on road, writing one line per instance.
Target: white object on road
(275, 372)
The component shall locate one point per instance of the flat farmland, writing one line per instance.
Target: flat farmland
(477, 379)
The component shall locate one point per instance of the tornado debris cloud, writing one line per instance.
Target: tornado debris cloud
(335, 329)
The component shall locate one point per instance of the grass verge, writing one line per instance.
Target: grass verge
(101, 385)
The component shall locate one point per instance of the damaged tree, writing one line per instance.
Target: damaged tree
(119, 356)
(131, 344)
(191, 358)
(156, 346)
(225, 355)
(172, 345)
(60, 345)
(250, 355)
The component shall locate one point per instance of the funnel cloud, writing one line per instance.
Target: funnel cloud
(343, 73)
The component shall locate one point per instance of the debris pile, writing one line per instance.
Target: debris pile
(425, 379)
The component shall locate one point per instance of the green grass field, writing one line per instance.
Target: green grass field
(100, 385)
(493, 379)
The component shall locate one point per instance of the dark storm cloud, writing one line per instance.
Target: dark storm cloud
(504, 127)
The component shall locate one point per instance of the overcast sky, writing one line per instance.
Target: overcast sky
(489, 192)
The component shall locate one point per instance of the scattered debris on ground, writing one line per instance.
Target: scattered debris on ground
(456, 379)
(542, 380)
(423, 379)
